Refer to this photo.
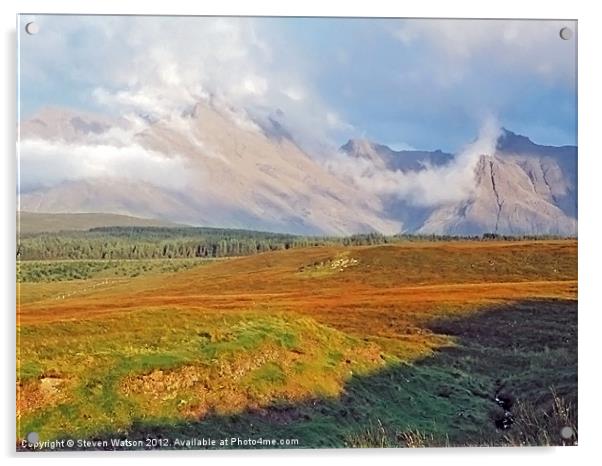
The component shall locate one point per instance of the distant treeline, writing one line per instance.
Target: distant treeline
(171, 243)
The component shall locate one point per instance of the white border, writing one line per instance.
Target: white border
(590, 198)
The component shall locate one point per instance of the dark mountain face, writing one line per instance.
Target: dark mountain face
(553, 169)
(521, 188)
(404, 160)
(517, 143)
(214, 168)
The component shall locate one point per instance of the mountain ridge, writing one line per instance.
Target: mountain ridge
(522, 188)
(218, 166)
(238, 177)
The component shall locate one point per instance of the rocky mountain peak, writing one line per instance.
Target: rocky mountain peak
(241, 170)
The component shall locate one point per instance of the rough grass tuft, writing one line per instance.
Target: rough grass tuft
(555, 424)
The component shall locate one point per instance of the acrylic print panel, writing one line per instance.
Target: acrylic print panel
(296, 233)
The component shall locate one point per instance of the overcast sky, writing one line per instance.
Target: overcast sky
(423, 84)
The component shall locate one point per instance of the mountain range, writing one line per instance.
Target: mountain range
(521, 188)
(215, 166)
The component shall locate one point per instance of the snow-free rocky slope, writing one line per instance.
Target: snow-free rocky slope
(522, 188)
(236, 174)
(233, 171)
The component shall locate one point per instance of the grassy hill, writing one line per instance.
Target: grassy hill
(33, 222)
(389, 345)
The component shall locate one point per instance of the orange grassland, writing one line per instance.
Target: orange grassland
(383, 295)
(389, 284)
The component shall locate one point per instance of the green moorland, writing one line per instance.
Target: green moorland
(233, 360)
(446, 399)
(272, 346)
(65, 270)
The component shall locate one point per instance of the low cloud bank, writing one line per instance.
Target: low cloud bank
(430, 187)
(46, 163)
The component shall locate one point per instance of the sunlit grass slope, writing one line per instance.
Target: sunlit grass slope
(99, 355)
(97, 376)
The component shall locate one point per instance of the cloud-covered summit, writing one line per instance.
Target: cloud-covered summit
(237, 122)
(421, 83)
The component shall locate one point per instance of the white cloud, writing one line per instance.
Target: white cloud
(160, 66)
(294, 93)
(525, 46)
(335, 121)
(433, 186)
(46, 163)
(253, 85)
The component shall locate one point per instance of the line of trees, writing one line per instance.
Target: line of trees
(170, 243)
